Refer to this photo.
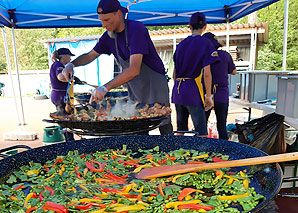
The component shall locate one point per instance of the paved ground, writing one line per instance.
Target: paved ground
(37, 110)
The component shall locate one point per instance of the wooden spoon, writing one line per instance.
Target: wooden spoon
(160, 171)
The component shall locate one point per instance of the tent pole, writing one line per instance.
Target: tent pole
(284, 52)
(228, 37)
(18, 75)
(9, 72)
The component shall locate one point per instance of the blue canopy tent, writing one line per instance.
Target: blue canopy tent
(75, 13)
(24, 14)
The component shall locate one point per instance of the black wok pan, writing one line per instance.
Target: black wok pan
(267, 178)
(109, 126)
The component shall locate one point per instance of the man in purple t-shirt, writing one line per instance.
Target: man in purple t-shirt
(220, 85)
(142, 69)
(192, 59)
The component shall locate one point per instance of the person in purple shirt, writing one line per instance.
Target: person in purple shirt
(142, 69)
(192, 58)
(60, 58)
(220, 86)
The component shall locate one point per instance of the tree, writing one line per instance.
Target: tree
(270, 55)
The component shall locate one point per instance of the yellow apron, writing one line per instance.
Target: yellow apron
(198, 81)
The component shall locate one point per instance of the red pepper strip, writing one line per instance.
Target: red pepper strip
(83, 156)
(93, 169)
(124, 176)
(217, 159)
(195, 162)
(113, 157)
(113, 177)
(121, 152)
(149, 156)
(139, 197)
(130, 196)
(46, 168)
(185, 192)
(59, 160)
(78, 173)
(130, 163)
(34, 195)
(111, 190)
(31, 209)
(19, 187)
(100, 205)
(40, 195)
(52, 191)
(160, 190)
(153, 195)
(54, 207)
(232, 173)
(195, 206)
(84, 207)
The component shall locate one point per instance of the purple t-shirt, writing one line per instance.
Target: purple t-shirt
(57, 96)
(139, 42)
(191, 56)
(220, 78)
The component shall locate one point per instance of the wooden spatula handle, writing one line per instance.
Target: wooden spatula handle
(161, 171)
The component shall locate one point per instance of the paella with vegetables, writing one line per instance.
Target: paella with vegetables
(104, 181)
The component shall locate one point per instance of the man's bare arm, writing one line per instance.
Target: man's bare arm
(207, 80)
(85, 58)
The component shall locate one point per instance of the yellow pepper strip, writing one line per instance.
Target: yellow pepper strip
(143, 203)
(154, 163)
(136, 207)
(72, 189)
(67, 183)
(140, 190)
(186, 154)
(202, 210)
(98, 211)
(13, 197)
(53, 175)
(62, 170)
(245, 183)
(142, 167)
(230, 181)
(242, 174)
(178, 203)
(102, 195)
(85, 188)
(29, 196)
(219, 176)
(85, 172)
(129, 187)
(201, 156)
(188, 197)
(150, 198)
(233, 197)
(230, 177)
(33, 172)
(179, 176)
(152, 180)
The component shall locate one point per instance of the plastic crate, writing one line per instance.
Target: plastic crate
(258, 85)
(287, 96)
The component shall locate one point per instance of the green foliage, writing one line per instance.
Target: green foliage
(270, 55)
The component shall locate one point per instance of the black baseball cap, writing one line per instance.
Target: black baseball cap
(109, 6)
(197, 19)
(213, 40)
(64, 51)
